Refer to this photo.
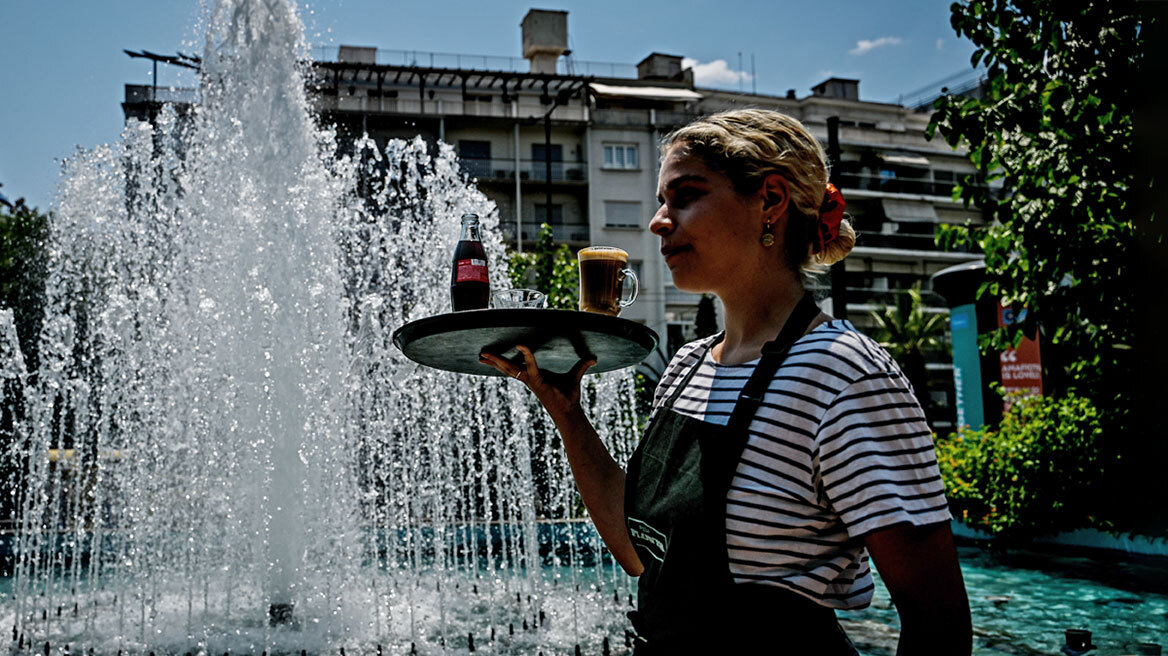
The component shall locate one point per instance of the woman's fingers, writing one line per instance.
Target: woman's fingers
(531, 367)
(528, 371)
(505, 366)
(580, 369)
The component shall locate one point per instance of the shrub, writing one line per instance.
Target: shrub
(1038, 473)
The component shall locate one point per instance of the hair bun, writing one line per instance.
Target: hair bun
(831, 215)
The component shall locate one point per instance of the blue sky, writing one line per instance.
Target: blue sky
(62, 68)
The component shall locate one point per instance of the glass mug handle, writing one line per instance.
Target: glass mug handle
(627, 298)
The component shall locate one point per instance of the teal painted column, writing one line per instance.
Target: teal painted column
(967, 366)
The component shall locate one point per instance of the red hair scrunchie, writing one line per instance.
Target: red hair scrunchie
(831, 214)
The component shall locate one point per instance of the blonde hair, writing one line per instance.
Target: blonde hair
(749, 144)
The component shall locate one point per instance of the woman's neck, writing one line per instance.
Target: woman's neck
(754, 316)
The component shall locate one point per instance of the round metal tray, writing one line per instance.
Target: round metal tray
(558, 338)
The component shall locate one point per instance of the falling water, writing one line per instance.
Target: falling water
(224, 451)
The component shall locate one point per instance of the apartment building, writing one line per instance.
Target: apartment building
(549, 138)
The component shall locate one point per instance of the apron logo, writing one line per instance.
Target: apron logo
(648, 538)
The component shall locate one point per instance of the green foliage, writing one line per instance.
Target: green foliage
(1052, 136)
(1039, 473)
(904, 328)
(706, 321)
(909, 335)
(549, 268)
(24, 234)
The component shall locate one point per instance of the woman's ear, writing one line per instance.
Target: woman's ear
(775, 197)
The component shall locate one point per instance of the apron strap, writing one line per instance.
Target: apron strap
(773, 355)
(689, 375)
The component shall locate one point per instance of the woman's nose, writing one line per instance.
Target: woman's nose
(661, 224)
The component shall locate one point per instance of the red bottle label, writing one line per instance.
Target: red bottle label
(471, 270)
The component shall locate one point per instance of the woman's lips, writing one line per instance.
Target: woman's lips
(672, 251)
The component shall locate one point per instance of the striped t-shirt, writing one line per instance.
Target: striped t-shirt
(838, 449)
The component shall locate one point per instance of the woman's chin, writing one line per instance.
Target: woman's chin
(682, 283)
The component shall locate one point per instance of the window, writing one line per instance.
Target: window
(622, 214)
(620, 156)
(541, 214)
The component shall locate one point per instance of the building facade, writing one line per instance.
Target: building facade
(576, 145)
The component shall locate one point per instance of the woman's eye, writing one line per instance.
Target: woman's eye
(684, 197)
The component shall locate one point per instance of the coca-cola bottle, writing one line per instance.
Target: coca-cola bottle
(469, 285)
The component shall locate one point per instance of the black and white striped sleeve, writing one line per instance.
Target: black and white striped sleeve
(875, 457)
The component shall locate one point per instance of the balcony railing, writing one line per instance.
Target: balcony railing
(896, 240)
(856, 296)
(136, 93)
(360, 101)
(564, 66)
(889, 297)
(641, 117)
(561, 232)
(903, 241)
(675, 296)
(901, 185)
(529, 169)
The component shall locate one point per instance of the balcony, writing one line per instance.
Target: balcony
(366, 101)
(572, 233)
(922, 186)
(860, 296)
(675, 296)
(641, 118)
(457, 61)
(137, 93)
(903, 241)
(530, 170)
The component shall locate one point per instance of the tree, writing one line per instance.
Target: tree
(1054, 128)
(909, 335)
(706, 321)
(24, 234)
(549, 268)
(1053, 136)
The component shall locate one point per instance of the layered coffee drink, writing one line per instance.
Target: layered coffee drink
(606, 282)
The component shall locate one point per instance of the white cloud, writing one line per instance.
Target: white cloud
(714, 74)
(864, 46)
(940, 45)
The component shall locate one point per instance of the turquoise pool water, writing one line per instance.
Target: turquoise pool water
(1022, 601)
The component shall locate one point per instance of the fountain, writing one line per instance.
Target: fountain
(224, 451)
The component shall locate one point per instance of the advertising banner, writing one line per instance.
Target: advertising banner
(1022, 366)
(966, 366)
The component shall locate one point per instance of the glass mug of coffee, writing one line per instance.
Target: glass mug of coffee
(604, 280)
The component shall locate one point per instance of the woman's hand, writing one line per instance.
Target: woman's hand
(559, 393)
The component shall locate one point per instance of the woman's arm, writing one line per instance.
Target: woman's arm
(599, 478)
(919, 566)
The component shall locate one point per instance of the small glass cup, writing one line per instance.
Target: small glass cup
(518, 298)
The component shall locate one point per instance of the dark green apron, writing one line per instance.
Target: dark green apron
(675, 508)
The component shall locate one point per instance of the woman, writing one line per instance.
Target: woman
(781, 452)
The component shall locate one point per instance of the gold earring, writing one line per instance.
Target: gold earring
(768, 237)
